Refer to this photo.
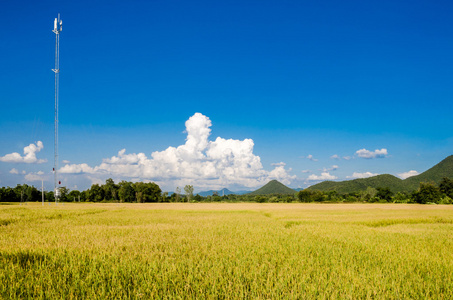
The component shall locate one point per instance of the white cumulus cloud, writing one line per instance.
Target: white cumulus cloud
(364, 153)
(29, 155)
(408, 174)
(335, 156)
(323, 176)
(281, 174)
(200, 162)
(34, 176)
(362, 175)
(13, 171)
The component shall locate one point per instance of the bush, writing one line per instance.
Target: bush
(260, 199)
(446, 200)
(384, 194)
(428, 192)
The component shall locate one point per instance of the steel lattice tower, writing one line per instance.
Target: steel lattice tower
(57, 27)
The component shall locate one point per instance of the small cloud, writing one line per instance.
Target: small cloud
(356, 175)
(23, 172)
(29, 155)
(306, 171)
(34, 176)
(335, 156)
(65, 161)
(310, 157)
(347, 157)
(408, 174)
(364, 153)
(332, 168)
(323, 176)
(77, 169)
(280, 164)
(14, 171)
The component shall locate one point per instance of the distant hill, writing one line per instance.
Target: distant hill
(273, 187)
(221, 192)
(386, 180)
(435, 174)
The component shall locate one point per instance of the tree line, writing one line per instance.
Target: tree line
(141, 192)
(124, 191)
(428, 192)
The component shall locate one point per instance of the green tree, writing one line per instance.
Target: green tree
(147, 192)
(9, 195)
(153, 192)
(84, 196)
(198, 198)
(446, 187)
(31, 193)
(96, 193)
(311, 196)
(110, 190)
(304, 196)
(259, 198)
(384, 193)
(49, 196)
(368, 194)
(427, 192)
(165, 197)
(188, 189)
(64, 191)
(126, 191)
(74, 196)
(26, 193)
(401, 197)
(178, 191)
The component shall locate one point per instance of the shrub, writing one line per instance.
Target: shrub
(427, 192)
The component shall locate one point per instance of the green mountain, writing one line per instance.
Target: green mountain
(273, 187)
(435, 174)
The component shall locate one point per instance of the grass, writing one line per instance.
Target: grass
(220, 250)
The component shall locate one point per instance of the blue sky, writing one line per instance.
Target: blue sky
(302, 80)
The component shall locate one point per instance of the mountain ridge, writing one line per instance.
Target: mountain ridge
(221, 192)
(435, 174)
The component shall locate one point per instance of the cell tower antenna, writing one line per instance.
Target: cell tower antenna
(57, 28)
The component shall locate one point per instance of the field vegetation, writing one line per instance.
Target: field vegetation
(226, 250)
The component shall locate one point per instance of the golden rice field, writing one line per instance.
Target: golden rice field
(221, 250)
